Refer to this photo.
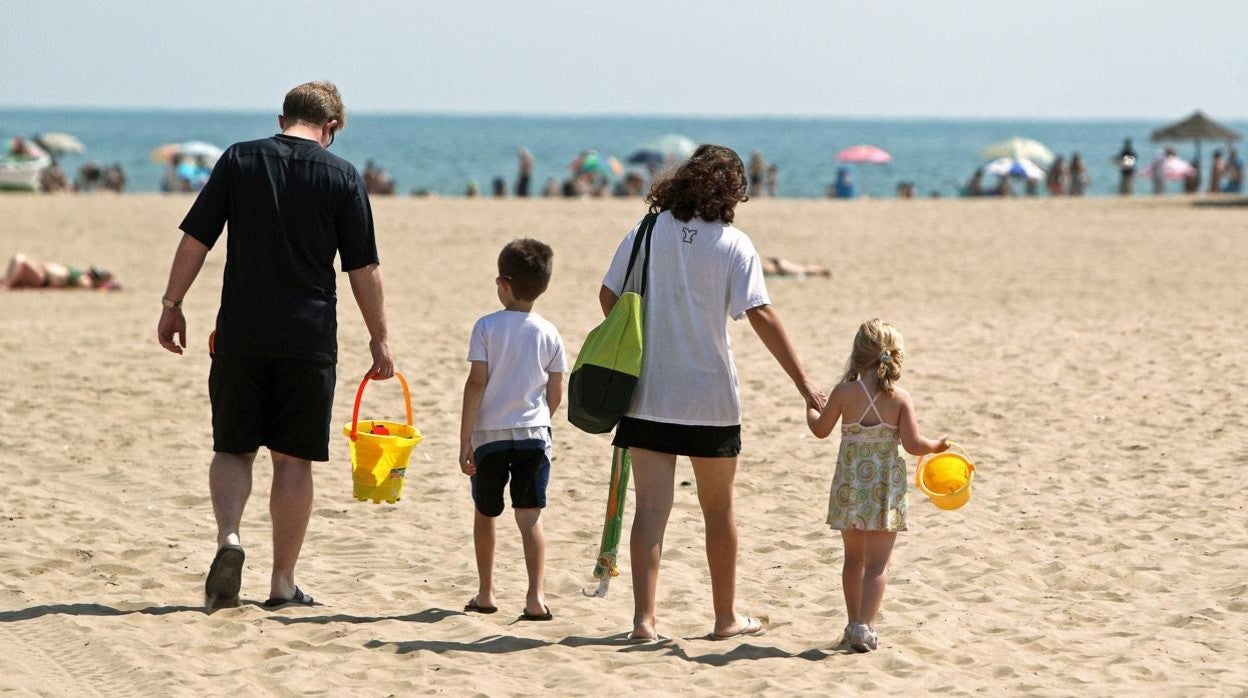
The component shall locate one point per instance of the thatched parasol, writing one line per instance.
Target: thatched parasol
(1196, 127)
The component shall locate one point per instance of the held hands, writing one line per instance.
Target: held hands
(383, 360)
(815, 399)
(172, 324)
(466, 464)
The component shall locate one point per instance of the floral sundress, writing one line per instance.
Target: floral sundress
(869, 487)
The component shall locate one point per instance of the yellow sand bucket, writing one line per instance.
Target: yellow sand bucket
(946, 477)
(380, 450)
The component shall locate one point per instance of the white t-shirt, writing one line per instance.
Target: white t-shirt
(701, 273)
(520, 350)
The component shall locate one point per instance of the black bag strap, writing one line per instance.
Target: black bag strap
(644, 230)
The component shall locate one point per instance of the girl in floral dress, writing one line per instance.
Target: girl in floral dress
(868, 499)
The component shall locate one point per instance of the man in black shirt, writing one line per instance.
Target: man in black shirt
(291, 206)
(1126, 162)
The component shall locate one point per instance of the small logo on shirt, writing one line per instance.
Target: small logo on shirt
(689, 233)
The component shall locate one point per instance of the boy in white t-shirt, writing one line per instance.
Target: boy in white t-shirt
(514, 384)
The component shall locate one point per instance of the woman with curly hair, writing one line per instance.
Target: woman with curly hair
(702, 271)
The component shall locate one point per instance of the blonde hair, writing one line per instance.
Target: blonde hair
(878, 348)
(315, 103)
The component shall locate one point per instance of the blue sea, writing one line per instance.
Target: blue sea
(442, 153)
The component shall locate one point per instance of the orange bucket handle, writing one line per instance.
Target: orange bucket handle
(355, 412)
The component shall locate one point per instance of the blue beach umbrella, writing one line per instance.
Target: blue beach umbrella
(1012, 167)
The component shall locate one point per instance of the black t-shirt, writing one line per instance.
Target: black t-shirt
(291, 205)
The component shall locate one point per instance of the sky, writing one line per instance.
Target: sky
(1058, 59)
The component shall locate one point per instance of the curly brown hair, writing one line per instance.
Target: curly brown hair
(709, 184)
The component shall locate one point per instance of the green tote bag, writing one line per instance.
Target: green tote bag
(600, 389)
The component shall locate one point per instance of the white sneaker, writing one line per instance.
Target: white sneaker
(845, 636)
(863, 638)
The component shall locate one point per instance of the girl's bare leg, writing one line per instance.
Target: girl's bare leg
(878, 549)
(851, 573)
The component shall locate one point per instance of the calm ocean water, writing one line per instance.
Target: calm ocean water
(441, 153)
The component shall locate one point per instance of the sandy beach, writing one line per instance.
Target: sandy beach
(1089, 354)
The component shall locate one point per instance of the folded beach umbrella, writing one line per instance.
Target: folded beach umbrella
(607, 565)
(864, 154)
(1009, 167)
(1019, 149)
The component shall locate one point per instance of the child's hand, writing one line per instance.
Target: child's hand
(466, 465)
(942, 445)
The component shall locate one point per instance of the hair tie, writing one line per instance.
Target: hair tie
(886, 358)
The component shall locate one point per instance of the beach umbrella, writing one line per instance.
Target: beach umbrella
(59, 143)
(590, 161)
(190, 149)
(1196, 127)
(864, 154)
(607, 565)
(1173, 168)
(1019, 149)
(660, 150)
(1014, 167)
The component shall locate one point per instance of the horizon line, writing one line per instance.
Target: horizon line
(604, 114)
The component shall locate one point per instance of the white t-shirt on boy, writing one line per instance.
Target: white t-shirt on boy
(701, 273)
(520, 350)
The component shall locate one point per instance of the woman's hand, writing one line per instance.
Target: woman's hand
(466, 465)
(815, 399)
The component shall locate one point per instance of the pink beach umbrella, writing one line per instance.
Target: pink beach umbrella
(864, 154)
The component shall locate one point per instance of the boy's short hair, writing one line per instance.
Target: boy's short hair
(315, 103)
(526, 264)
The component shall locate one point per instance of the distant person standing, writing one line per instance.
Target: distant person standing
(1157, 170)
(1191, 183)
(292, 206)
(525, 173)
(757, 171)
(769, 180)
(1217, 170)
(1056, 181)
(1078, 176)
(1126, 162)
(1234, 173)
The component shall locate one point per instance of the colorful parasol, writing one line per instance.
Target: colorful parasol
(864, 154)
(1019, 149)
(613, 526)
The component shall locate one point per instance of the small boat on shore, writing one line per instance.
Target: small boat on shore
(21, 173)
(21, 165)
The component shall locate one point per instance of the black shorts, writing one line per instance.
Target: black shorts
(527, 463)
(695, 440)
(284, 404)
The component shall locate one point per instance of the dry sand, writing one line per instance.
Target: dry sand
(1089, 354)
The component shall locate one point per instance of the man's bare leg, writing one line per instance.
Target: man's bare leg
(229, 480)
(290, 506)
